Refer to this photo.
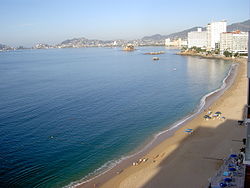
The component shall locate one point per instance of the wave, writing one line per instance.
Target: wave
(98, 172)
(111, 164)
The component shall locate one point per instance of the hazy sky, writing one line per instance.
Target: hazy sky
(27, 22)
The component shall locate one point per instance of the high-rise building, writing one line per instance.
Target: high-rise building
(214, 29)
(168, 42)
(236, 41)
(197, 38)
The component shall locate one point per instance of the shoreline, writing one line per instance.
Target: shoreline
(126, 162)
(234, 59)
(209, 138)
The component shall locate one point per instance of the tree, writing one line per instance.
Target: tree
(184, 48)
(217, 51)
(236, 54)
(227, 54)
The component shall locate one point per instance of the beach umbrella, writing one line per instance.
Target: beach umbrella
(231, 165)
(207, 117)
(189, 131)
(232, 169)
(228, 179)
(233, 155)
(218, 113)
(223, 184)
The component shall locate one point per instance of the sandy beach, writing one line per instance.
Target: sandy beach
(188, 160)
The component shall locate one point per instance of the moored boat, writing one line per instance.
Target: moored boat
(155, 58)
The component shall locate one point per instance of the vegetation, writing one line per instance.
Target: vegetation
(227, 54)
(245, 54)
(217, 51)
(236, 54)
(197, 49)
(209, 53)
(184, 48)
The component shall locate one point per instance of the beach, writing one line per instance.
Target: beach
(105, 115)
(183, 159)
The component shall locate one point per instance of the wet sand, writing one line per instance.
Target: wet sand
(179, 159)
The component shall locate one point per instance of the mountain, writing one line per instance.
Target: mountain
(183, 34)
(74, 40)
(243, 26)
(82, 42)
(154, 37)
(147, 40)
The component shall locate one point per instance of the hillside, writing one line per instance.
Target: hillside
(243, 26)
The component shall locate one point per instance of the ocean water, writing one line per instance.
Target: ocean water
(64, 113)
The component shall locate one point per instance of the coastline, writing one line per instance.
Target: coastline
(114, 176)
(238, 60)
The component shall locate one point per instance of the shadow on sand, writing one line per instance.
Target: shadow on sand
(198, 156)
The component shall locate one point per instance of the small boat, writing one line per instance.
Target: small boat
(156, 58)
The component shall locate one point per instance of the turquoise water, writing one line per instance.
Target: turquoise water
(67, 112)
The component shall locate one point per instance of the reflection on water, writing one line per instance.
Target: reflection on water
(200, 68)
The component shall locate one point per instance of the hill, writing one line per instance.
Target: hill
(243, 26)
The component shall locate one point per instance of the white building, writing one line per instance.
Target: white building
(197, 38)
(214, 29)
(236, 41)
(184, 43)
(175, 43)
(168, 42)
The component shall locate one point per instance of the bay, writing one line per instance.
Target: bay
(64, 113)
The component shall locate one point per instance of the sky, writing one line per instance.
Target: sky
(28, 22)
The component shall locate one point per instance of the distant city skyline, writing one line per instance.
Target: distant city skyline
(29, 22)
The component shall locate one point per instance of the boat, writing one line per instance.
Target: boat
(155, 58)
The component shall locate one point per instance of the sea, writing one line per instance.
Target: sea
(68, 114)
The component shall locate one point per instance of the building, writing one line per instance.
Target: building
(247, 121)
(214, 29)
(197, 39)
(168, 42)
(175, 43)
(235, 42)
